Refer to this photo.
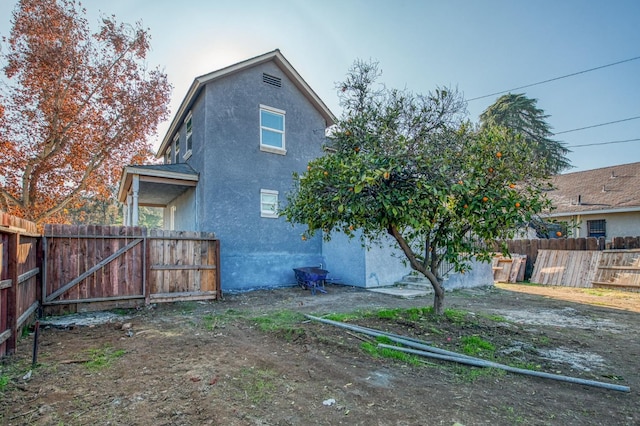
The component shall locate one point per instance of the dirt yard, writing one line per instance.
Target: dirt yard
(214, 363)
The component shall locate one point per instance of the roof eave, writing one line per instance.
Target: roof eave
(631, 209)
(129, 171)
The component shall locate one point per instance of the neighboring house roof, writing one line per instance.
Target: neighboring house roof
(201, 81)
(159, 183)
(612, 189)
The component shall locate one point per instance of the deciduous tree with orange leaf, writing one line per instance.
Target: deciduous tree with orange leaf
(75, 106)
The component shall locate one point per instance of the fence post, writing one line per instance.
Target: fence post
(12, 292)
(218, 274)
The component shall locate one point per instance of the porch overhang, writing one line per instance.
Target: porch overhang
(153, 186)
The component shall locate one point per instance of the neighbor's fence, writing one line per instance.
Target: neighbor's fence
(581, 262)
(531, 247)
(20, 265)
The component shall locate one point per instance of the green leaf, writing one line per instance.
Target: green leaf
(357, 189)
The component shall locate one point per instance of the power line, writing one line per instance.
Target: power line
(597, 125)
(554, 79)
(603, 143)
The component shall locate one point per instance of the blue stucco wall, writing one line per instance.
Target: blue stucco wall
(386, 263)
(256, 252)
(345, 260)
(185, 213)
(480, 274)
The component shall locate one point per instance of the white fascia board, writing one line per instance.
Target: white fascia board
(593, 212)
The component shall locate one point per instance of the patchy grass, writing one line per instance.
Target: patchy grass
(122, 311)
(103, 357)
(287, 323)
(257, 385)
(4, 381)
(351, 316)
(493, 317)
(477, 346)
(373, 350)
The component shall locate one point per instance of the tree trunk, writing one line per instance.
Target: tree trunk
(438, 299)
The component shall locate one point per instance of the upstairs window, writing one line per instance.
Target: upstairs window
(189, 138)
(272, 130)
(167, 156)
(597, 228)
(176, 148)
(268, 203)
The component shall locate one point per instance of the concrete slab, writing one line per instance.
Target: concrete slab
(405, 293)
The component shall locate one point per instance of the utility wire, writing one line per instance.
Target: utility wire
(597, 125)
(603, 143)
(554, 79)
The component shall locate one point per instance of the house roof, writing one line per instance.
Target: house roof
(159, 183)
(605, 190)
(200, 82)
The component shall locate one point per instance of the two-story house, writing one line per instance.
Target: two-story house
(229, 154)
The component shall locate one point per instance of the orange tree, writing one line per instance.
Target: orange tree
(410, 166)
(74, 108)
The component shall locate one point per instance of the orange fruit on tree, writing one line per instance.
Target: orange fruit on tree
(350, 227)
(386, 175)
(517, 204)
(498, 154)
(459, 182)
(356, 149)
(465, 206)
(485, 199)
(512, 185)
(490, 169)
(559, 234)
(326, 173)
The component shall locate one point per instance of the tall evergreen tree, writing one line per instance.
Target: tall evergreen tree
(520, 114)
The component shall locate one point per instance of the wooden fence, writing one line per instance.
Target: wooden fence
(20, 265)
(95, 267)
(581, 262)
(618, 269)
(74, 268)
(530, 248)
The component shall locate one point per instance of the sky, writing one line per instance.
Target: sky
(479, 47)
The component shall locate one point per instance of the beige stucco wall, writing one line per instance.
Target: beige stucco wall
(618, 224)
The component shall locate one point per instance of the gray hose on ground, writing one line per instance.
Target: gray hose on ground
(432, 352)
(371, 332)
(482, 363)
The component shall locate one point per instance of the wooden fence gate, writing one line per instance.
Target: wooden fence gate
(19, 277)
(101, 266)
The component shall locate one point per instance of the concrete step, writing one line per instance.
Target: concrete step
(415, 279)
(402, 292)
(416, 282)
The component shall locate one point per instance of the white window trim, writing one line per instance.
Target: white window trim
(269, 148)
(268, 213)
(187, 154)
(176, 147)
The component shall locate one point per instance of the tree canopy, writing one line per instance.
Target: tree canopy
(519, 113)
(412, 167)
(75, 107)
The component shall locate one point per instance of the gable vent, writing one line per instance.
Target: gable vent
(274, 81)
